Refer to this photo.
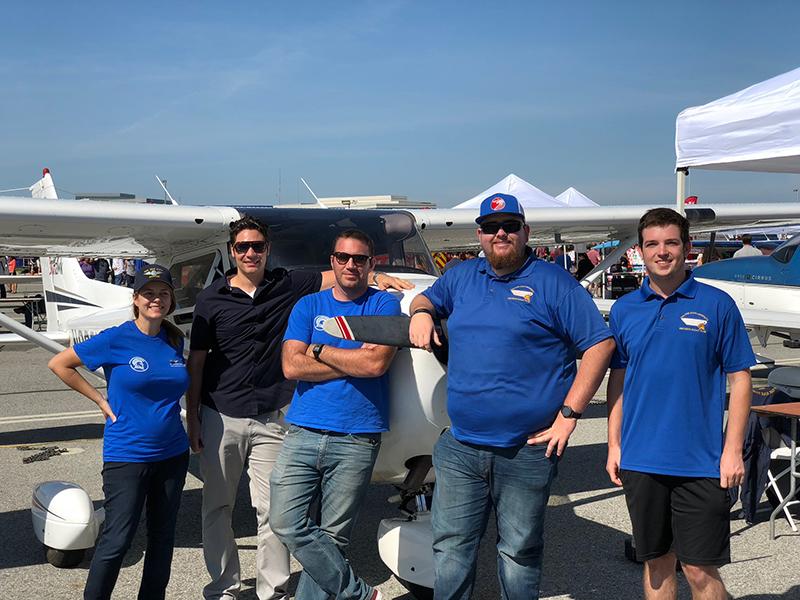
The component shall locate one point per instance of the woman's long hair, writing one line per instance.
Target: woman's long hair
(174, 334)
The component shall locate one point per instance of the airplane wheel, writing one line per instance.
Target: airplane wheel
(420, 592)
(64, 559)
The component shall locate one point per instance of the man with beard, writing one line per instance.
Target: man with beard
(515, 326)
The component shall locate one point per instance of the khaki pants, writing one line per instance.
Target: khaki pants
(229, 442)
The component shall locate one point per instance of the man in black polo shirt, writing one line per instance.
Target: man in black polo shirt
(235, 369)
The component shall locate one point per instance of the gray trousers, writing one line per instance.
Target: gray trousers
(229, 443)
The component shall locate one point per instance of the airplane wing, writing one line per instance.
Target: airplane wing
(42, 227)
(455, 228)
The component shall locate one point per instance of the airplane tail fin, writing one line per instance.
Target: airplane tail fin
(78, 305)
(44, 188)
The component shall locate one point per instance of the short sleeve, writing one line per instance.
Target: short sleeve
(734, 349)
(305, 282)
(301, 323)
(582, 323)
(96, 351)
(619, 360)
(440, 294)
(202, 334)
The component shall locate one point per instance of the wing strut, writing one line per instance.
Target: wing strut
(38, 339)
(609, 260)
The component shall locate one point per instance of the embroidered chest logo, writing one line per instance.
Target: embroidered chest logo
(177, 362)
(521, 293)
(138, 364)
(319, 322)
(694, 321)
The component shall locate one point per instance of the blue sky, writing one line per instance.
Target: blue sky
(433, 100)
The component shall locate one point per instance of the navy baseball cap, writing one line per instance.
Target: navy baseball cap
(500, 204)
(150, 273)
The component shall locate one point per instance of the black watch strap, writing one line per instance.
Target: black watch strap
(316, 350)
(427, 311)
(568, 413)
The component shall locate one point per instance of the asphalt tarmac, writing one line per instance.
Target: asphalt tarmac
(587, 522)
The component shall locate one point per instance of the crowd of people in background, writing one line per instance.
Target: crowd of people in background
(119, 271)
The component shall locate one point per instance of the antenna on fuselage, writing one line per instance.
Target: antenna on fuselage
(319, 203)
(163, 184)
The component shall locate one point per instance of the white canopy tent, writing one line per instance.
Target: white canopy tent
(756, 129)
(573, 198)
(528, 195)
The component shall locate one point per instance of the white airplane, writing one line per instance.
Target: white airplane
(193, 242)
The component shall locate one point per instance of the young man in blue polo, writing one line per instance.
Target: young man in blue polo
(514, 394)
(338, 412)
(677, 341)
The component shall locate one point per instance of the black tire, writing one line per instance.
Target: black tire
(420, 592)
(64, 559)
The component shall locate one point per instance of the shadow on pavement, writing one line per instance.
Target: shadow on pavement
(66, 433)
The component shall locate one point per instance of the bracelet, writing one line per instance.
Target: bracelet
(427, 311)
(374, 278)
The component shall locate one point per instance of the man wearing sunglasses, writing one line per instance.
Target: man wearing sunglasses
(514, 394)
(235, 397)
(337, 414)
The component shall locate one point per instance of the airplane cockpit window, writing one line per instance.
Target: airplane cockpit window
(192, 275)
(302, 238)
(785, 251)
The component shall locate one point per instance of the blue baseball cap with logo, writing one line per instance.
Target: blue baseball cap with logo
(151, 273)
(500, 204)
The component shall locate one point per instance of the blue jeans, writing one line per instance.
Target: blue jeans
(470, 479)
(128, 487)
(335, 469)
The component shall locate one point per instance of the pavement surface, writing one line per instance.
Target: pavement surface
(587, 522)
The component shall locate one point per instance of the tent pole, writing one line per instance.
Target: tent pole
(681, 174)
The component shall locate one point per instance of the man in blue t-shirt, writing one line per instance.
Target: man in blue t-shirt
(515, 326)
(677, 340)
(339, 409)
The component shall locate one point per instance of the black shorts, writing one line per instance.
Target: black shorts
(689, 516)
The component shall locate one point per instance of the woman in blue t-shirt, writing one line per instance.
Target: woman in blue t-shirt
(145, 448)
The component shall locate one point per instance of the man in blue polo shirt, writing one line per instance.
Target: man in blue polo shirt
(515, 326)
(337, 414)
(677, 339)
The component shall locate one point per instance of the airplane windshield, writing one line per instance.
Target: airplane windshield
(785, 251)
(302, 238)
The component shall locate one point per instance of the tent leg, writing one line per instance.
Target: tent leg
(680, 198)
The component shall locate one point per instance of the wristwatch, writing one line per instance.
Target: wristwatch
(374, 278)
(568, 413)
(316, 350)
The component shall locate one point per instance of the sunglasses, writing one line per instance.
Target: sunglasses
(493, 227)
(243, 247)
(343, 258)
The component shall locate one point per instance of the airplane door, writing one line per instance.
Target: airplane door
(191, 272)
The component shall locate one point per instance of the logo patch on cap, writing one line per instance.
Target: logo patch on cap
(152, 272)
(498, 203)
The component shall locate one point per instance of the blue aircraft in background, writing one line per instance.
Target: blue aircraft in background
(765, 288)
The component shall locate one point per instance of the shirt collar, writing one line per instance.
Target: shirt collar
(225, 286)
(688, 289)
(530, 258)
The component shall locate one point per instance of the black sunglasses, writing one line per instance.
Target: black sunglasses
(243, 247)
(343, 258)
(492, 227)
